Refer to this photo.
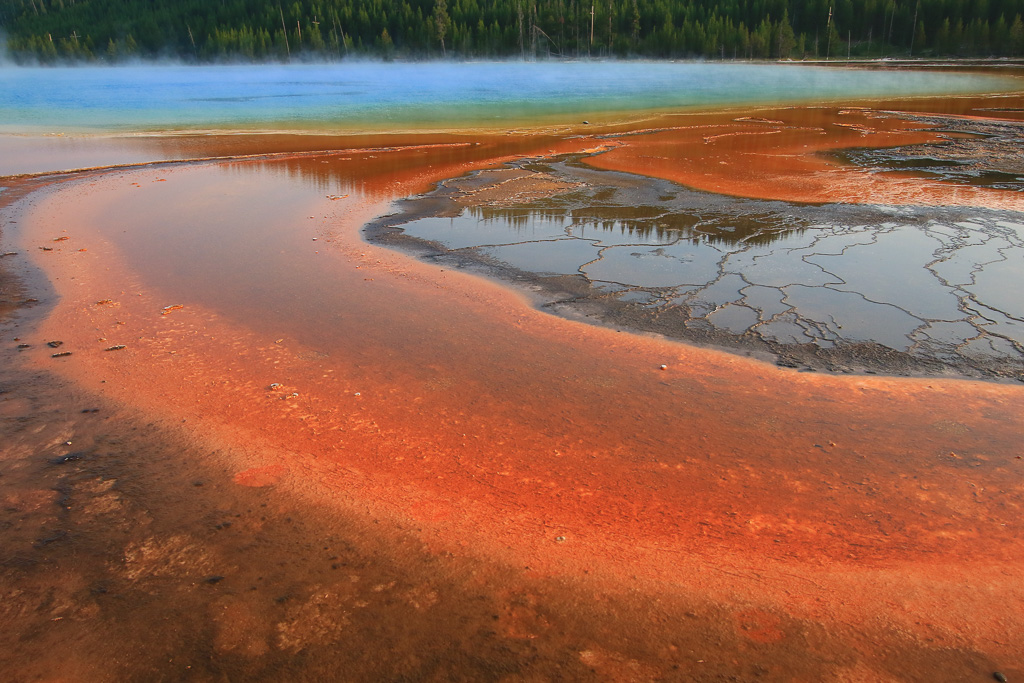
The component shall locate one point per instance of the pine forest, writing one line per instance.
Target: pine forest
(112, 31)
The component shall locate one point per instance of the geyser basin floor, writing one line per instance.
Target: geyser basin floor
(844, 287)
(485, 491)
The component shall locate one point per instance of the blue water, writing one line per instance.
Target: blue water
(375, 95)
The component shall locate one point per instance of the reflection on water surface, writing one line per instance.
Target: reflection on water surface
(929, 283)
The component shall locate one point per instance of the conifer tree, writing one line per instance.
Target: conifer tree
(254, 30)
(441, 22)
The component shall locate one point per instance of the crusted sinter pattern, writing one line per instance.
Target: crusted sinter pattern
(833, 287)
(978, 152)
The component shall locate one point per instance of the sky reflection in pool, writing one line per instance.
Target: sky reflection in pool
(921, 281)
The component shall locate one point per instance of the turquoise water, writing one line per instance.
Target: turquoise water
(375, 95)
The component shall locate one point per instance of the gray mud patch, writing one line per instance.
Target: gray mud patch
(982, 153)
(836, 287)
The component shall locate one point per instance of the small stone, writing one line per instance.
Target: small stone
(999, 676)
(62, 354)
(664, 367)
(560, 539)
(70, 457)
(54, 344)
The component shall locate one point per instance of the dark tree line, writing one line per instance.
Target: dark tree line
(257, 30)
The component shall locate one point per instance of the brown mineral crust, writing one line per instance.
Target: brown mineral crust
(494, 430)
(515, 187)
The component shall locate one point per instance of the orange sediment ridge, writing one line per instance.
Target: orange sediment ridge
(779, 154)
(448, 404)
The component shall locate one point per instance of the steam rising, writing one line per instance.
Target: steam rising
(351, 95)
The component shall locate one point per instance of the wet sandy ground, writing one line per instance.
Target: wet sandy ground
(276, 451)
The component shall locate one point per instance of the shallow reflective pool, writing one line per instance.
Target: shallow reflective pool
(937, 284)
